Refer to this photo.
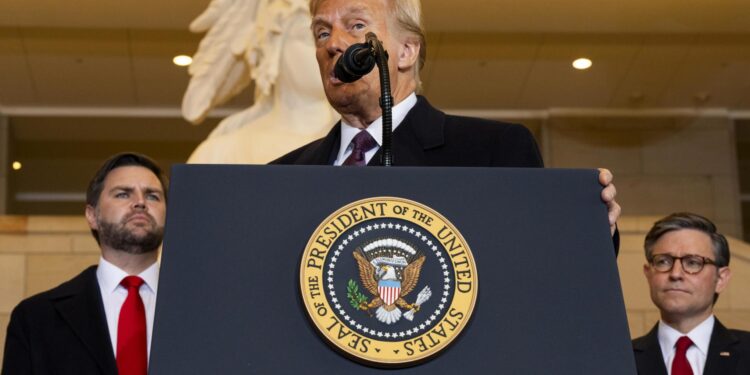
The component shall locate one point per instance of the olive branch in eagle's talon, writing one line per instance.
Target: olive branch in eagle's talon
(356, 298)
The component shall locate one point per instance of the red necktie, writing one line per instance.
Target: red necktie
(680, 364)
(131, 331)
(361, 143)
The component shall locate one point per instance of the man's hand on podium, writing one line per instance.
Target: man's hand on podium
(608, 196)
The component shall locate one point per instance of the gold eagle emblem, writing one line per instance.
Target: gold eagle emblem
(389, 270)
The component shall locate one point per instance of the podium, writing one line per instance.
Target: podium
(230, 300)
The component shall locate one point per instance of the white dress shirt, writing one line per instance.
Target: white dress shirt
(114, 294)
(375, 129)
(696, 354)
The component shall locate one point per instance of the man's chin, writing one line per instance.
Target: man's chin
(144, 245)
(676, 307)
(343, 100)
(132, 237)
(136, 243)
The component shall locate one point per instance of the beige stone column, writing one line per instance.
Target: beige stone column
(661, 164)
(4, 160)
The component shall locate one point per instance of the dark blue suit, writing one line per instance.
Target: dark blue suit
(429, 137)
(728, 353)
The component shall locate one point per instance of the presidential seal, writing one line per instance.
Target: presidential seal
(388, 281)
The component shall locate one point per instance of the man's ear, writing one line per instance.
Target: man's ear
(408, 55)
(724, 274)
(91, 217)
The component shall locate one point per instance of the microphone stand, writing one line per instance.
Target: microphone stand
(386, 99)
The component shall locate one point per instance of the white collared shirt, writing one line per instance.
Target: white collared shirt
(375, 129)
(696, 354)
(114, 294)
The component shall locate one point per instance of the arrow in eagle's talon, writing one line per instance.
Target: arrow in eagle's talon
(423, 296)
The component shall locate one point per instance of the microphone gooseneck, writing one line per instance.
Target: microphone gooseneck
(357, 61)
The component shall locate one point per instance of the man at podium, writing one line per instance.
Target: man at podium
(423, 135)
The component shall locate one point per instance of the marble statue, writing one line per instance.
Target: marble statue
(267, 42)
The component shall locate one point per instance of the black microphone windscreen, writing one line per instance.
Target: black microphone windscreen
(354, 63)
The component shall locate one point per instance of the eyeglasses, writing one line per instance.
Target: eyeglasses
(691, 264)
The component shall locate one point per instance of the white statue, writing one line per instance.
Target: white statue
(269, 42)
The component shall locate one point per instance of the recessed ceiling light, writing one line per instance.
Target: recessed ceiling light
(182, 60)
(17, 166)
(582, 63)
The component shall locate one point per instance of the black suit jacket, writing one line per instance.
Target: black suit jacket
(728, 353)
(61, 331)
(429, 137)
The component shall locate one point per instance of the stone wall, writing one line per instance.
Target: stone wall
(661, 165)
(38, 253)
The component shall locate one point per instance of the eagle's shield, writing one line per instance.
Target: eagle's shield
(389, 291)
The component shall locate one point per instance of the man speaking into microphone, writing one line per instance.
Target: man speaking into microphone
(422, 135)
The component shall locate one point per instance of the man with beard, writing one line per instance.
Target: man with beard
(100, 322)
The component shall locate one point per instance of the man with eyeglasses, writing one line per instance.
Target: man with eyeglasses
(688, 266)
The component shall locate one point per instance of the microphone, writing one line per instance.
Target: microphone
(356, 61)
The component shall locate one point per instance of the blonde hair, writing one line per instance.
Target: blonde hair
(408, 14)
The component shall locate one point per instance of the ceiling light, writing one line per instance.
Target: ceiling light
(17, 165)
(182, 60)
(582, 63)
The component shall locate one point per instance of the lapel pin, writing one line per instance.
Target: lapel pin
(724, 354)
